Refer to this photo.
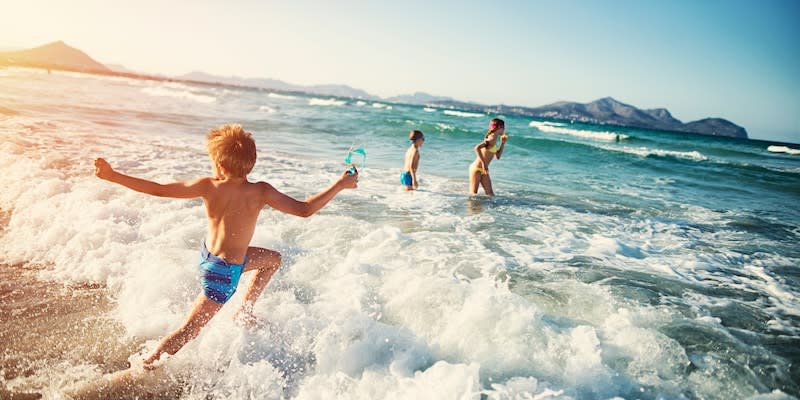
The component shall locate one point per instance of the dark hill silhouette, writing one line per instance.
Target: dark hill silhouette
(612, 112)
(56, 55)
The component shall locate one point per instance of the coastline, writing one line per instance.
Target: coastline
(46, 323)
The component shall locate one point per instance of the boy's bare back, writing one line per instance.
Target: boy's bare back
(232, 207)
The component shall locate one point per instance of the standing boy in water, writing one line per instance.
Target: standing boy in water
(409, 176)
(232, 207)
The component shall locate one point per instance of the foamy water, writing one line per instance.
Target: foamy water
(560, 128)
(464, 114)
(560, 288)
(326, 102)
(783, 149)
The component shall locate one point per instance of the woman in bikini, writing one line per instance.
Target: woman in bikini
(486, 151)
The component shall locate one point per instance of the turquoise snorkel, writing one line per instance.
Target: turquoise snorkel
(349, 159)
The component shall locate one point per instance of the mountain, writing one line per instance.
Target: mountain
(339, 90)
(119, 68)
(715, 127)
(418, 98)
(274, 84)
(56, 55)
(262, 83)
(612, 112)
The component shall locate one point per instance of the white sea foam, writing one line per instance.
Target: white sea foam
(361, 103)
(783, 149)
(268, 109)
(551, 127)
(429, 109)
(445, 127)
(178, 91)
(381, 105)
(326, 102)
(281, 96)
(648, 152)
(464, 114)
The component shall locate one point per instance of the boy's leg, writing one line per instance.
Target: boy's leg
(264, 262)
(203, 310)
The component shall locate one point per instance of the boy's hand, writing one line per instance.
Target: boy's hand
(349, 179)
(102, 169)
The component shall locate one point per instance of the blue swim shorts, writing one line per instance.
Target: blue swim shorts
(405, 179)
(219, 278)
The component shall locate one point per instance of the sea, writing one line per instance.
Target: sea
(613, 263)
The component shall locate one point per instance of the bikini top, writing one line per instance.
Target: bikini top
(491, 148)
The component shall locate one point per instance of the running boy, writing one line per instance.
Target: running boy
(409, 176)
(232, 207)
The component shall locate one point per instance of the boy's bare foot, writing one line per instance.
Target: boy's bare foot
(153, 362)
(246, 318)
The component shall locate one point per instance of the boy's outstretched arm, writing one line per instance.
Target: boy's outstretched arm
(178, 190)
(284, 203)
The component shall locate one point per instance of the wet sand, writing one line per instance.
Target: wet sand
(49, 328)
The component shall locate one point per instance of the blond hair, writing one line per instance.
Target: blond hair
(233, 149)
(494, 125)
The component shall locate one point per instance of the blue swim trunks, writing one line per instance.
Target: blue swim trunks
(219, 278)
(405, 179)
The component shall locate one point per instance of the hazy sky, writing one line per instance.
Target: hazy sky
(733, 59)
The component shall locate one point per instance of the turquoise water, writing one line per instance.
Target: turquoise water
(612, 262)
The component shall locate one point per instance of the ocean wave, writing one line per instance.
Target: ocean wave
(361, 103)
(267, 109)
(445, 127)
(551, 127)
(281, 96)
(178, 93)
(647, 152)
(429, 109)
(464, 114)
(326, 102)
(546, 123)
(783, 149)
(381, 105)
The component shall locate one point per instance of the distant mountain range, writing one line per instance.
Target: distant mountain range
(60, 56)
(265, 83)
(608, 111)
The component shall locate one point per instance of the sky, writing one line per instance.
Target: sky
(732, 59)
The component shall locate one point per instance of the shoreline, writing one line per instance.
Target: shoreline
(45, 324)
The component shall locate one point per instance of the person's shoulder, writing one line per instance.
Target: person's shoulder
(205, 181)
(261, 186)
